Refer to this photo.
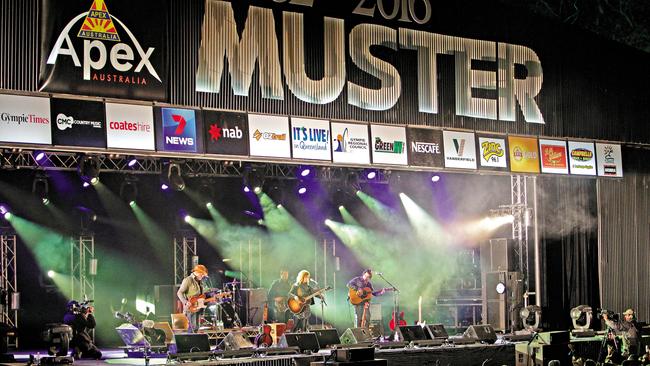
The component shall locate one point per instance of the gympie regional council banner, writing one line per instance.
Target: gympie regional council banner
(108, 48)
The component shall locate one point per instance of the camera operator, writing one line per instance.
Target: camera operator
(80, 317)
(627, 328)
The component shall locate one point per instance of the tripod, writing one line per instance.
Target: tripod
(604, 350)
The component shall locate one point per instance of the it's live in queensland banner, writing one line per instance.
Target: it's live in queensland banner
(108, 48)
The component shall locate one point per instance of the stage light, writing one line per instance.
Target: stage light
(305, 171)
(131, 161)
(132, 203)
(7, 216)
(341, 208)
(500, 288)
(85, 185)
(129, 190)
(254, 176)
(3, 209)
(246, 189)
(41, 188)
(257, 190)
(435, 178)
(279, 206)
(187, 218)
(371, 174)
(208, 205)
(531, 317)
(50, 274)
(164, 187)
(302, 190)
(581, 317)
(172, 176)
(46, 201)
(88, 169)
(39, 156)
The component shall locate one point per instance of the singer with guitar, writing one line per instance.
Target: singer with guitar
(191, 287)
(361, 291)
(300, 290)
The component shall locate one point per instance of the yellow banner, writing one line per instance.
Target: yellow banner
(524, 154)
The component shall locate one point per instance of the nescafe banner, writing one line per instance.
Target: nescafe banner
(78, 123)
(425, 147)
(226, 133)
(108, 48)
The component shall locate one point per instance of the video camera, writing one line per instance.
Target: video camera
(610, 314)
(80, 308)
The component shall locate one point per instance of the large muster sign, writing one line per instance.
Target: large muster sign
(111, 48)
(78, 123)
(350, 143)
(25, 119)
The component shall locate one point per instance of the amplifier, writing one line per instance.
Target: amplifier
(355, 354)
(558, 337)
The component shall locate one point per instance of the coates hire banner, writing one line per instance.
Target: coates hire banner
(178, 130)
(388, 145)
(130, 127)
(25, 119)
(425, 147)
(226, 133)
(269, 136)
(350, 143)
(310, 139)
(78, 123)
(109, 48)
(553, 155)
(524, 156)
(582, 158)
(493, 152)
(610, 162)
(460, 150)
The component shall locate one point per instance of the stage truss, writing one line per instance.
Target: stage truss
(185, 255)
(8, 281)
(83, 267)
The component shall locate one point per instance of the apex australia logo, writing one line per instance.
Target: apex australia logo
(395, 147)
(310, 138)
(258, 135)
(98, 27)
(492, 151)
(217, 133)
(64, 122)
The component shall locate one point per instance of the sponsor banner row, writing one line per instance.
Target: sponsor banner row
(82, 123)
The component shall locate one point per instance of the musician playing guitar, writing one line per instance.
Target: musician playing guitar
(190, 287)
(277, 298)
(300, 290)
(361, 291)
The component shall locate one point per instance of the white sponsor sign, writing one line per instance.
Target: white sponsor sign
(460, 150)
(389, 145)
(493, 152)
(269, 136)
(582, 158)
(610, 160)
(130, 127)
(350, 143)
(25, 119)
(553, 156)
(310, 139)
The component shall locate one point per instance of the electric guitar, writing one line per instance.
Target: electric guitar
(198, 302)
(364, 294)
(296, 306)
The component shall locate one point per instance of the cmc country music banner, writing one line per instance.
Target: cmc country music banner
(350, 143)
(179, 130)
(78, 123)
(553, 155)
(109, 48)
(269, 136)
(425, 147)
(310, 139)
(582, 158)
(25, 119)
(130, 126)
(524, 155)
(388, 145)
(460, 150)
(610, 161)
(226, 133)
(492, 152)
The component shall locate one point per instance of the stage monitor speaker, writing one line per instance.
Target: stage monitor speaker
(131, 335)
(165, 301)
(190, 342)
(356, 335)
(253, 305)
(437, 331)
(355, 354)
(304, 341)
(376, 329)
(557, 337)
(483, 333)
(327, 337)
(410, 333)
(497, 255)
(236, 340)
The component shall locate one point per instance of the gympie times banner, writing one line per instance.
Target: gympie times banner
(107, 48)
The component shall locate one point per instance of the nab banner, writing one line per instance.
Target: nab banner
(310, 139)
(108, 48)
(388, 145)
(493, 152)
(226, 133)
(582, 158)
(350, 143)
(78, 123)
(25, 119)
(553, 156)
(178, 130)
(130, 127)
(425, 147)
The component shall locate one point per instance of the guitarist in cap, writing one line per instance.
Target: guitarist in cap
(191, 286)
(362, 288)
(300, 290)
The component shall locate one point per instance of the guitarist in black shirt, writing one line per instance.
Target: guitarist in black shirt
(361, 291)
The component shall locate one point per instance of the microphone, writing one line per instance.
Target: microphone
(379, 273)
(311, 280)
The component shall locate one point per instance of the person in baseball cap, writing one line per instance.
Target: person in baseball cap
(190, 288)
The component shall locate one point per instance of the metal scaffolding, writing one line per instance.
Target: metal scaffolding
(83, 265)
(8, 281)
(185, 255)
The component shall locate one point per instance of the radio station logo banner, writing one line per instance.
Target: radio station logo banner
(582, 158)
(269, 136)
(226, 133)
(553, 156)
(425, 147)
(388, 145)
(179, 130)
(524, 155)
(460, 150)
(78, 123)
(350, 143)
(130, 127)
(310, 139)
(109, 48)
(610, 160)
(493, 152)
(25, 119)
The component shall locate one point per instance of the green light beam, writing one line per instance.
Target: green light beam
(156, 235)
(347, 216)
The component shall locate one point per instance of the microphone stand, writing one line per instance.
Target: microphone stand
(395, 300)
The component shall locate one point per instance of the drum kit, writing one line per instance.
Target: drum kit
(223, 313)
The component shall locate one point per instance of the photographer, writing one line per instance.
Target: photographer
(80, 317)
(627, 328)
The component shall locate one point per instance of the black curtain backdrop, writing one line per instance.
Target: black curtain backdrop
(568, 230)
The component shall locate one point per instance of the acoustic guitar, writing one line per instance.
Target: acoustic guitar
(296, 306)
(364, 294)
(198, 302)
